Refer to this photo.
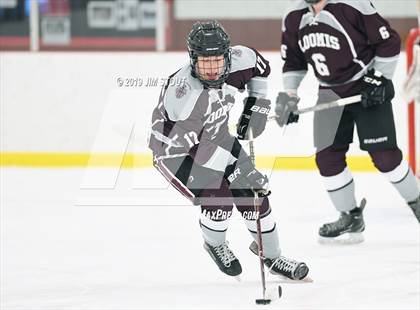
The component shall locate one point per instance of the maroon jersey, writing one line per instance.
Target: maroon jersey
(341, 43)
(193, 120)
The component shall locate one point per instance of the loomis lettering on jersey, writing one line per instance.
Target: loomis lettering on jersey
(337, 42)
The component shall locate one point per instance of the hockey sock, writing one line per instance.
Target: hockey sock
(403, 179)
(340, 188)
(214, 224)
(270, 237)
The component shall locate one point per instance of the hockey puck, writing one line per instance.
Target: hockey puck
(280, 291)
(262, 301)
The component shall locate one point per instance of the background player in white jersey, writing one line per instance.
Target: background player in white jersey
(353, 50)
(193, 149)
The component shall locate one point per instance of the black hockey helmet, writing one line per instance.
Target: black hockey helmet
(312, 1)
(209, 39)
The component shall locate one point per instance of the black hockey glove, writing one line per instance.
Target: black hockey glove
(243, 175)
(254, 116)
(376, 89)
(285, 106)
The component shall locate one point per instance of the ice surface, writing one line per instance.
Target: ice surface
(57, 253)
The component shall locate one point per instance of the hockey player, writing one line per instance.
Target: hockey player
(193, 149)
(352, 50)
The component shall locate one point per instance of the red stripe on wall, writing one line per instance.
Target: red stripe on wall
(18, 42)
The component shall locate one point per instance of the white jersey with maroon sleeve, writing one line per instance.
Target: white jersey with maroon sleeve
(193, 120)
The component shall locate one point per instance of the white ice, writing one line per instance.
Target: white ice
(57, 253)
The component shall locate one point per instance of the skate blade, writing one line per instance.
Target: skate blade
(238, 278)
(284, 279)
(345, 239)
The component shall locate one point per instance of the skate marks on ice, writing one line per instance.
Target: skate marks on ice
(69, 258)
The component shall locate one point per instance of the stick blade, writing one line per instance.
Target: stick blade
(262, 301)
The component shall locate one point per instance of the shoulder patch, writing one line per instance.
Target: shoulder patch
(242, 58)
(363, 6)
(181, 97)
(237, 52)
(181, 90)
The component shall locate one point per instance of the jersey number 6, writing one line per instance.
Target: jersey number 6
(384, 32)
(320, 65)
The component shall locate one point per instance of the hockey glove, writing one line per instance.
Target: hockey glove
(376, 89)
(243, 175)
(254, 116)
(285, 106)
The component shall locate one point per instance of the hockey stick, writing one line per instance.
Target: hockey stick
(263, 301)
(327, 105)
(319, 107)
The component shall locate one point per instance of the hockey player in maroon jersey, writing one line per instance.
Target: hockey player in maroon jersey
(193, 149)
(352, 50)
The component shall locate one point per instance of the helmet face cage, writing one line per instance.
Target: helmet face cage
(209, 39)
(224, 72)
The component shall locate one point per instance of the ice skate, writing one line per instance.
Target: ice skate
(283, 266)
(224, 258)
(287, 267)
(346, 230)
